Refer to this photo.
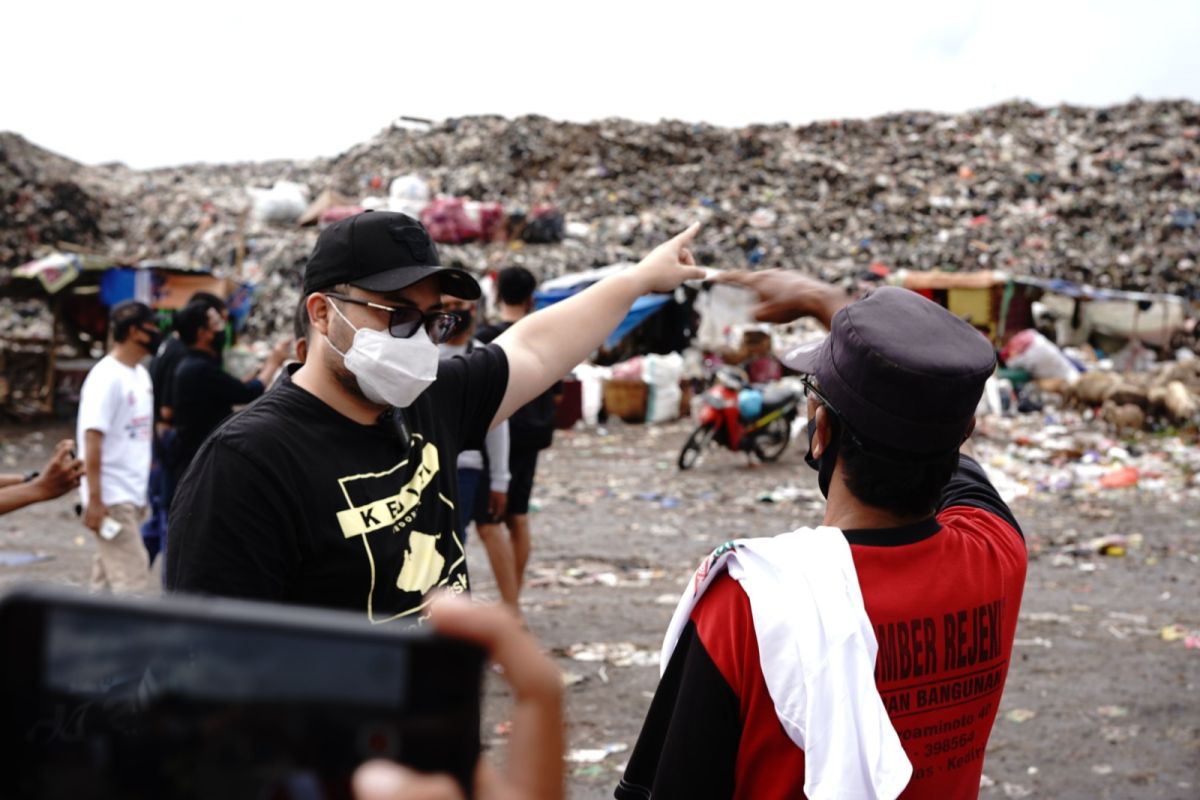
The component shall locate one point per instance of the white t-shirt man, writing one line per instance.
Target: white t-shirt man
(118, 401)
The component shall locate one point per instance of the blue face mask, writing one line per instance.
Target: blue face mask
(828, 460)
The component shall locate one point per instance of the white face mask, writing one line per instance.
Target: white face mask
(390, 371)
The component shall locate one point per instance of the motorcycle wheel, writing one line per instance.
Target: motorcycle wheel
(694, 447)
(770, 443)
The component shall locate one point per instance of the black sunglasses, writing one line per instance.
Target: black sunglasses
(404, 321)
(812, 390)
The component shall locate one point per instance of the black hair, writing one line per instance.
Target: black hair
(515, 285)
(894, 483)
(191, 320)
(121, 331)
(127, 315)
(208, 300)
(300, 323)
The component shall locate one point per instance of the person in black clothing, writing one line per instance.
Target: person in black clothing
(170, 353)
(338, 487)
(162, 376)
(531, 427)
(204, 394)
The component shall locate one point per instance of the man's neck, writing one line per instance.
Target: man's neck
(322, 385)
(846, 512)
(128, 353)
(511, 313)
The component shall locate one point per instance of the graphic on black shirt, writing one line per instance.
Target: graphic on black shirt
(372, 507)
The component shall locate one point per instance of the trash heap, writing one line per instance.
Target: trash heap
(1108, 197)
(1169, 393)
(42, 204)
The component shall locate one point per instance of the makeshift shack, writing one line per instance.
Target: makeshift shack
(977, 297)
(1081, 313)
(64, 300)
(1003, 305)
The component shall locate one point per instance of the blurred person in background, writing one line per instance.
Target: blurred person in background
(162, 374)
(483, 474)
(530, 428)
(204, 394)
(115, 424)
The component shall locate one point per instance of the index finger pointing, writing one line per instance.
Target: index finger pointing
(689, 234)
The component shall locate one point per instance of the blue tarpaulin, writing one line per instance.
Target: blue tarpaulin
(644, 307)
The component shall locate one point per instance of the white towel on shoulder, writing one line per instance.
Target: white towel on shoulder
(817, 651)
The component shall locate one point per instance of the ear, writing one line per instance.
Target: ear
(318, 313)
(970, 430)
(823, 434)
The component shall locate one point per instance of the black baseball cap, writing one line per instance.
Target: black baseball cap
(901, 371)
(381, 251)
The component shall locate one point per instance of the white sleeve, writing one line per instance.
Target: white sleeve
(497, 451)
(97, 401)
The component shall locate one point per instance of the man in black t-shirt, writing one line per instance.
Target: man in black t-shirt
(170, 353)
(204, 393)
(162, 374)
(337, 488)
(531, 427)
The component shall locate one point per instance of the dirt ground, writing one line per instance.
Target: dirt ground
(1100, 701)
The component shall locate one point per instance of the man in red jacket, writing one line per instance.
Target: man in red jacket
(749, 705)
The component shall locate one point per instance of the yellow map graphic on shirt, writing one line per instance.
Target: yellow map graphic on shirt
(424, 565)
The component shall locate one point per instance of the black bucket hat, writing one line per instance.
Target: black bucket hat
(901, 371)
(381, 251)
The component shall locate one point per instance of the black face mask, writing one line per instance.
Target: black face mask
(218, 342)
(155, 340)
(828, 460)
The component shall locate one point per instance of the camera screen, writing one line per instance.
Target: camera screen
(92, 656)
(129, 706)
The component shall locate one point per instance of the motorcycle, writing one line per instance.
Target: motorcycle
(742, 418)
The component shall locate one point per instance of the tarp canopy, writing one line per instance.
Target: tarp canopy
(552, 291)
(59, 270)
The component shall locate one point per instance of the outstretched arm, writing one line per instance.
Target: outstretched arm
(59, 476)
(786, 296)
(544, 346)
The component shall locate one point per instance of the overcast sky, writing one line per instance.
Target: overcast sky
(163, 83)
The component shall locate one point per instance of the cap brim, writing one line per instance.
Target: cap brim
(454, 282)
(806, 357)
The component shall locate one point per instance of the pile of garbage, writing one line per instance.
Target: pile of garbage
(41, 204)
(1108, 197)
(1130, 390)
